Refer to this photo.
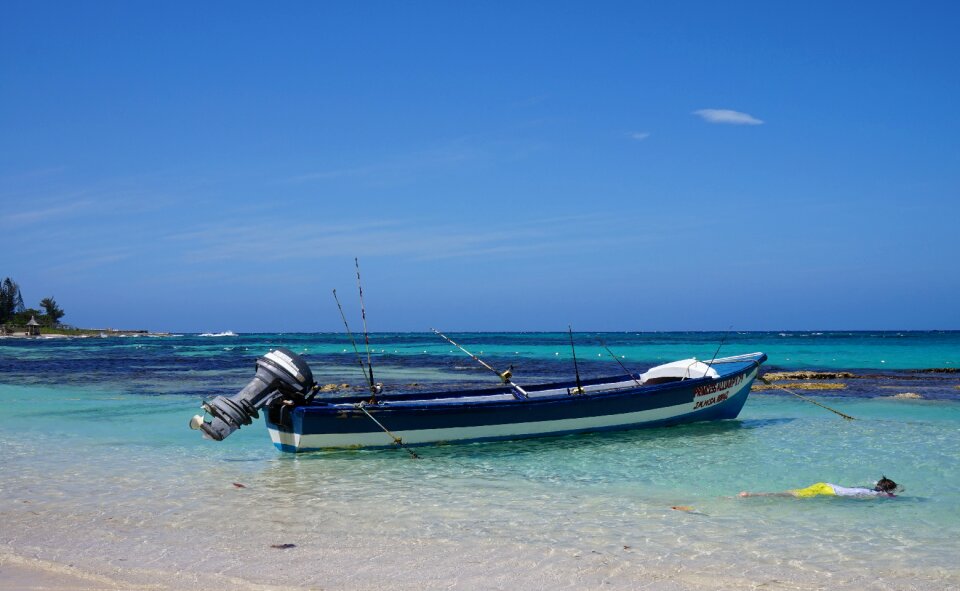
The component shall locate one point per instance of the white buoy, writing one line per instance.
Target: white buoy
(196, 422)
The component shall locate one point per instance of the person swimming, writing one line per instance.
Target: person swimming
(884, 488)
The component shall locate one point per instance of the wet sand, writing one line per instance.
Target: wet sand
(22, 574)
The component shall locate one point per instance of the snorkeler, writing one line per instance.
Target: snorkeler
(884, 488)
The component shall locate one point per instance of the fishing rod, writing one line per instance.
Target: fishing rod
(575, 368)
(725, 335)
(804, 398)
(629, 373)
(353, 341)
(375, 388)
(518, 392)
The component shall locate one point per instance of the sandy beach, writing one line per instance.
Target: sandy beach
(22, 574)
(450, 566)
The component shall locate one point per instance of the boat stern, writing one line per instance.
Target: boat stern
(283, 440)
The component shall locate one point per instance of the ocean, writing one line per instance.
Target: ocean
(101, 477)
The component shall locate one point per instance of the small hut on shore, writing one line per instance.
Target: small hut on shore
(33, 327)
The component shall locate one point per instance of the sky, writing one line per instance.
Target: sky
(519, 166)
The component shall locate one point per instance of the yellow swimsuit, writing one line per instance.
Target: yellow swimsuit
(815, 490)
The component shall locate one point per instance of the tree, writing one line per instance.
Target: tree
(23, 317)
(54, 312)
(11, 301)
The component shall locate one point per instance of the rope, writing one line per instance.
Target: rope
(396, 439)
(769, 383)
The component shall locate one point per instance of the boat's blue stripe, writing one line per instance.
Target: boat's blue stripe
(728, 409)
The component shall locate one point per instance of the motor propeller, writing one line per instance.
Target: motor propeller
(280, 373)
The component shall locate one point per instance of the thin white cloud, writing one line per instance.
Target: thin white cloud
(42, 215)
(280, 240)
(86, 260)
(639, 135)
(531, 100)
(402, 165)
(727, 116)
(329, 174)
(33, 175)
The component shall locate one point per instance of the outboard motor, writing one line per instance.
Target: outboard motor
(279, 373)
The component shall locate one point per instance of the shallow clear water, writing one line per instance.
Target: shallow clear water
(100, 471)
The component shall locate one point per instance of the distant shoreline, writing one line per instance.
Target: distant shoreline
(48, 333)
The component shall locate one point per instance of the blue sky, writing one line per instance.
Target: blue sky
(495, 166)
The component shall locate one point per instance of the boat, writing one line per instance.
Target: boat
(299, 420)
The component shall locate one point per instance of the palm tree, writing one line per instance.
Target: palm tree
(54, 312)
(11, 301)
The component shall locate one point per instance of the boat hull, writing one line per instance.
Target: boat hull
(472, 419)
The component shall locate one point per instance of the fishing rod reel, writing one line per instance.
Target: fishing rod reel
(281, 374)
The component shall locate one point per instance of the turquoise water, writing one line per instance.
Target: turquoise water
(100, 471)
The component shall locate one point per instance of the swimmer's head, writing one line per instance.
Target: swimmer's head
(885, 485)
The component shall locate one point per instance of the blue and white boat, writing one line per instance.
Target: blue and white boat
(684, 391)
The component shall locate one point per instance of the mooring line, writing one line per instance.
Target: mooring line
(396, 439)
(769, 383)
